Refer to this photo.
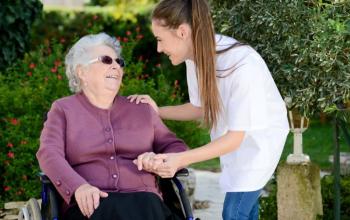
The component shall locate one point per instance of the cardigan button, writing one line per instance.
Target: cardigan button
(107, 129)
(110, 140)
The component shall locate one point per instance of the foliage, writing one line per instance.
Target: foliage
(16, 20)
(306, 45)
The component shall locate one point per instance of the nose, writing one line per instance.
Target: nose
(159, 48)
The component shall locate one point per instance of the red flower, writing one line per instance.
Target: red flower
(29, 73)
(9, 144)
(119, 39)
(158, 65)
(53, 70)
(23, 142)
(128, 33)
(59, 77)
(7, 188)
(10, 155)
(139, 36)
(14, 121)
(125, 39)
(62, 40)
(32, 65)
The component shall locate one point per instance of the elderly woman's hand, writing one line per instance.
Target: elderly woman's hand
(144, 99)
(88, 198)
(171, 164)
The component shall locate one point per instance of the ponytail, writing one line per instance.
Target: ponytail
(196, 13)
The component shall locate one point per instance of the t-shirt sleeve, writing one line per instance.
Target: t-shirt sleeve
(247, 105)
(192, 83)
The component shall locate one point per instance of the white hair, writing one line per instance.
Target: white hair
(79, 55)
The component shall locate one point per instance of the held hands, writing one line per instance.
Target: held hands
(164, 165)
(144, 99)
(88, 198)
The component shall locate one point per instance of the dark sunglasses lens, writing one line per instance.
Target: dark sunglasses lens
(120, 62)
(106, 60)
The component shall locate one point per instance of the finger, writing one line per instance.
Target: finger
(160, 157)
(96, 199)
(89, 204)
(139, 161)
(84, 205)
(139, 98)
(103, 194)
(132, 98)
(80, 205)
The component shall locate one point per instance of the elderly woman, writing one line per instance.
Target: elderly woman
(90, 139)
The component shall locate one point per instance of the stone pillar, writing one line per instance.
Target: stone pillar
(299, 192)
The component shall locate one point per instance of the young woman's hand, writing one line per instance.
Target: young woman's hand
(171, 164)
(146, 161)
(88, 198)
(144, 99)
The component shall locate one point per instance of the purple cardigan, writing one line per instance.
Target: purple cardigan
(81, 143)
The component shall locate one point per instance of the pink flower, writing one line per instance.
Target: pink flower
(62, 40)
(158, 65)
(9, 144)
(7, 188)
(53, 70)
(10, 155)
(125, 39)
(128, 33)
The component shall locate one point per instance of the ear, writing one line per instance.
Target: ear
(183, 31)
(81, 73)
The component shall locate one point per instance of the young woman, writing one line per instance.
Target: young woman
(232, 91)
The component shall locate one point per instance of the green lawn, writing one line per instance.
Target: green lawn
(317, 142)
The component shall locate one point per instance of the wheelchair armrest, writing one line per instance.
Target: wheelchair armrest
(182, 172)
(44, 179)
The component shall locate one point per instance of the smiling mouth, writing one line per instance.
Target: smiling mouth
(113, 77)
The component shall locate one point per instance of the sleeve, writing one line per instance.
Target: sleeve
(192, 83)
(51, 155)
(247, 104)
(165, 141)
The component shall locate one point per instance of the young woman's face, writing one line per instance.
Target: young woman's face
(175, 43)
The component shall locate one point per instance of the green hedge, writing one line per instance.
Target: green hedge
(306, 45)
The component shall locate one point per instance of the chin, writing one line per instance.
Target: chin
(176, 62)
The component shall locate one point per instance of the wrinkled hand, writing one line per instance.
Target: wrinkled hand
(146, 161)
(88, 198)
(144, 99)
(170, 165)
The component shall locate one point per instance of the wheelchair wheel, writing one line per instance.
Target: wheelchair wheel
(23, 214)
(33, 209)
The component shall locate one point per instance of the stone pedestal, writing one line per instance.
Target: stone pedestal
(299, 192)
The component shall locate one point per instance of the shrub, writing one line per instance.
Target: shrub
(16, 20)
(305, 44)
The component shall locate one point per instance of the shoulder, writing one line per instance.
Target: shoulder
(132, 107)
(65, 101)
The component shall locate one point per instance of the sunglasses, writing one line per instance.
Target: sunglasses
(109, 60)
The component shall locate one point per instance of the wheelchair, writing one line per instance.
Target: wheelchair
(174, 197)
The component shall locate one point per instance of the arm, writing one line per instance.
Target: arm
(185, 112)
(223, 145)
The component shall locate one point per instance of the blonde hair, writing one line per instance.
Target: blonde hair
(196, 13)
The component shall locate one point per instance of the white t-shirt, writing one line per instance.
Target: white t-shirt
(252, 103)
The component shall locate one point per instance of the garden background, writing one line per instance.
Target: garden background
(306, 45)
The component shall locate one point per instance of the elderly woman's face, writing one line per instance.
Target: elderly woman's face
(100, 77)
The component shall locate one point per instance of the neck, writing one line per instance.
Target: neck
(103, 101)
